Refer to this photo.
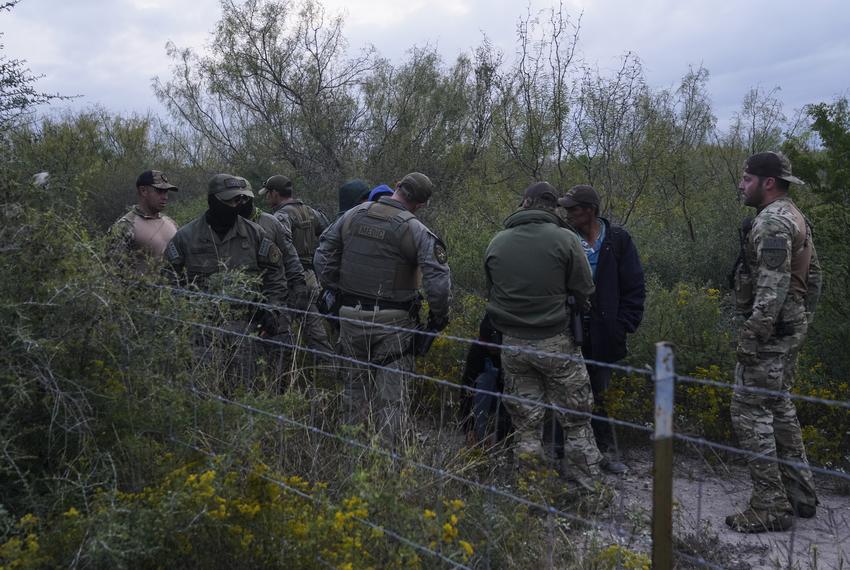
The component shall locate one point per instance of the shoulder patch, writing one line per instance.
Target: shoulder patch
(440, 252)
(275, 254)
(265, 245)
(773, 252)
(269, 252)
(171, 253)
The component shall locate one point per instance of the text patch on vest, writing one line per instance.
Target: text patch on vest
(371, 232)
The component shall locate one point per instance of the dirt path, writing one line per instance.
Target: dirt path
(704, 494)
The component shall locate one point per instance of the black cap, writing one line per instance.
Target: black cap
(580, 195)
(771, 165)
(540, 191)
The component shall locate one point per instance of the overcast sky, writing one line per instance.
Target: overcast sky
(108, 51)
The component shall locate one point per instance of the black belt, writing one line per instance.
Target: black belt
(371, 304)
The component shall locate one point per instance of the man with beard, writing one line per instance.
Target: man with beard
(221, 240)
(777, 285)
(145, 231)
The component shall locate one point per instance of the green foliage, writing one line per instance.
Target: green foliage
(93, 159)
(106, 379)
(689, 316)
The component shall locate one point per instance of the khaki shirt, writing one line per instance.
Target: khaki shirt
(136, 233)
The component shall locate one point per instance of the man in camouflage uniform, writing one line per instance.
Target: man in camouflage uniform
(222, 239)
(532, 267)
(776, 286)
(374, 258)
(305, 225)
(144, 231)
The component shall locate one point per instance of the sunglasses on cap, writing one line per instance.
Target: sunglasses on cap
(237, 200)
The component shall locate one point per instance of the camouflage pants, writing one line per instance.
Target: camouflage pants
(373, 395)
(768, 425)
(551, 380)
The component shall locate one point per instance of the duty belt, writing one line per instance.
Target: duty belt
(371, 304)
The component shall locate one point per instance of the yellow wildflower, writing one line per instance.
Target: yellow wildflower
(467, 548)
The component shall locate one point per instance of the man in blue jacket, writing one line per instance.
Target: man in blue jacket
(617, 305)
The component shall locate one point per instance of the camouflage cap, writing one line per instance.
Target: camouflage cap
(771, 165)
(418, 186)
(540, 191)
(580, 195)
(279, 183)
(228, 186)
(155, 178)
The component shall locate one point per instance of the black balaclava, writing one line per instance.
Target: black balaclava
(220, 216)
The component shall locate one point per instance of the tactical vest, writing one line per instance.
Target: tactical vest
(801, 253)
(304, 226)
(379, 258)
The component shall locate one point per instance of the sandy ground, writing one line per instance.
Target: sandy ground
(704, 493)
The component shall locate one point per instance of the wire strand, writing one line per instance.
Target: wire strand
(408, 375)
(549, 509)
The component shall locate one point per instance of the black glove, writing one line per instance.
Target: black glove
(267, 324)
(422, 341)
(435, 323)
(301, 298)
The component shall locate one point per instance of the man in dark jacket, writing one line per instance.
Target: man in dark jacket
(532, 267)
(350, 194)
(617, 305)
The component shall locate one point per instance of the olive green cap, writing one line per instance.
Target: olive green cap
(228, 186)
(418, 186)
(279, 183)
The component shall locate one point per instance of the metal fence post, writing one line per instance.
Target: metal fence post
(662, 479)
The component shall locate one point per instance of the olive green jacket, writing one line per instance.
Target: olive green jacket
(532, 266)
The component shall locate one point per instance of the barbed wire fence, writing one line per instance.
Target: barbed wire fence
(614, 525)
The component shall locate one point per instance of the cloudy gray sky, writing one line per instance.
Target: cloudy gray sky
(109, 50)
